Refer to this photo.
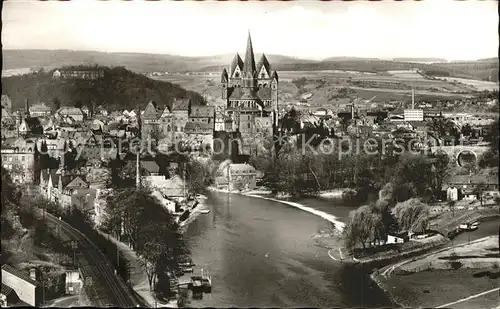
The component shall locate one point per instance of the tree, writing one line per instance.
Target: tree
(149, 228)
(57, 103)
(10, 194)
(411, 215)
(478, 190)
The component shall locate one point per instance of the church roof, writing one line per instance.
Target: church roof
(224, 76)
(275, 75)
(264, 62)
(242, 94)
(249, 94)
(236, 62)
(249, 65)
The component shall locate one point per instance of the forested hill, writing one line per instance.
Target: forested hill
(119, 88)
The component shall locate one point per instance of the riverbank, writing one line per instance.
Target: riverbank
(467, 275)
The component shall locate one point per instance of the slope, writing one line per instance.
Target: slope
(119, 88)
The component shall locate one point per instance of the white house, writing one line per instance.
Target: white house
(396, 239)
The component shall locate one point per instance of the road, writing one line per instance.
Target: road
(104, 288)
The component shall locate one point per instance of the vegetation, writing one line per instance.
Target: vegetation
(491, 157)
(118, 89)
(135, 216)
(486, 69)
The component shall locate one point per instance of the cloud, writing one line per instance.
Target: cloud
(431, 28)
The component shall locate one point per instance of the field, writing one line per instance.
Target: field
(6, 73)
(478, 84)
(329, 87)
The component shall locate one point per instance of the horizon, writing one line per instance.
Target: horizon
(242, 53)
(395, 29)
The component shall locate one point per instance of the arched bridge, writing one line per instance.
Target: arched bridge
(455, 152)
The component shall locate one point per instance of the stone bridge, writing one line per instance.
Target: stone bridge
(455, 152)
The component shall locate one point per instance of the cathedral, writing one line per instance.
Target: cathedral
(250, 95)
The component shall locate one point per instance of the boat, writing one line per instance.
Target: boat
(201, 197)
(195, 282)
(206, 282)
(205, 211)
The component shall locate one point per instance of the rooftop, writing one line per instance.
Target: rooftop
(19, 274)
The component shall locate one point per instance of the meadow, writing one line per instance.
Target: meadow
(328, 87)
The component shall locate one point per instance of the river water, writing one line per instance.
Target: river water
(260, 253)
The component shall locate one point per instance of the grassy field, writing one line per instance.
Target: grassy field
(422, 290)
(478, 84)
(325, 86)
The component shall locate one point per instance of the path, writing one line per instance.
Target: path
(138, 277)
(390, 269)
(469, 298)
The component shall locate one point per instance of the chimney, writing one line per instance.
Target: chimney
(412, 97)
(33, 273)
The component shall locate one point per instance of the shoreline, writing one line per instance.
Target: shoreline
(339, 225)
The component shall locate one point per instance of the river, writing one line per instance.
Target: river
(261, 253)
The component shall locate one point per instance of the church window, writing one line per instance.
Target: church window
(168, 128)
(262, 75)
(249, 125)
(236, 74)
(265, 85)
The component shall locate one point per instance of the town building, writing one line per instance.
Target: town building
(40, 110)
(6, 103)
(413, 115)
(241, 177)
(30, 126)
(180, 116)
(74, 282)
(18, 157)
(74, 113)
(26, 287)
(78, 74)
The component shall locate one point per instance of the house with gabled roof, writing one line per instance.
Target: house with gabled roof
(30, 126)
(180, 111)
(27, 289)
(40, 110)
(68, 112)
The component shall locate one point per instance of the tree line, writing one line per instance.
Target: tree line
(138, 218)
(119, 88)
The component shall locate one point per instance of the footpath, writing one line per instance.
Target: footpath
(138, 277)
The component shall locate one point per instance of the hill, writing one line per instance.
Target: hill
(420, 60)
(119, 88)
(484, 69)
(137, 62)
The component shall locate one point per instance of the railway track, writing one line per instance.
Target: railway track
(105, 287)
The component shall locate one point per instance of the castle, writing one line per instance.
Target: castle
(250, 93)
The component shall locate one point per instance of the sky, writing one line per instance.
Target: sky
(453, 30)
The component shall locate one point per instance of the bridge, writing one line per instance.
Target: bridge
(456, 152)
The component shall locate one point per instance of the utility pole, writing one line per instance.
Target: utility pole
(74, 246)
(412, 97)
(138, 176)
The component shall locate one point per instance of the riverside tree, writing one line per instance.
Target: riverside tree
(150, 229)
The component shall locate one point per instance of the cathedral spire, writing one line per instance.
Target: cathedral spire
(249, 66)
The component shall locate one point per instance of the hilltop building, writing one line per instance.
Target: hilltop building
(250, 92)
